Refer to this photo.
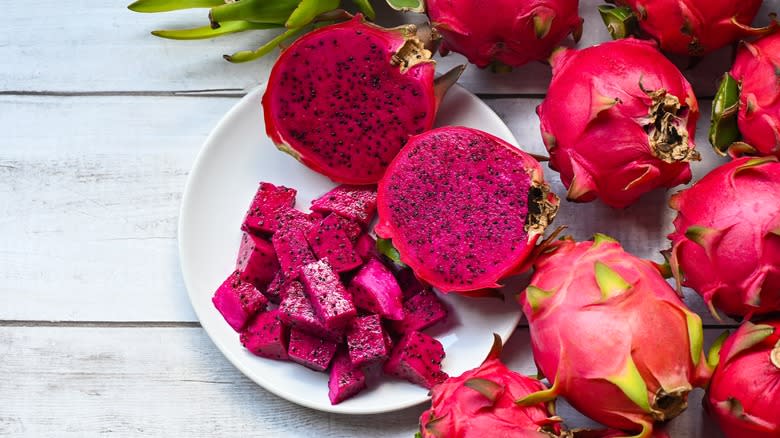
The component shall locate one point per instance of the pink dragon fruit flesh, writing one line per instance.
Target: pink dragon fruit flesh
(238, 301)
(345, 98)
(417, 358)
(268, 203)
(481, 402)
(331, 301)
(505, 32)
(726, 239)
(257, 261)
(421, 311)
(375, 289)
(366, 340)
(611, 335)
(266, 336)
(310, 351)
(329, 239)
(685, 27)
(356, 203)
(346, 380)
(746, 110)
(463, 208)
(619, 121)
(744, 394)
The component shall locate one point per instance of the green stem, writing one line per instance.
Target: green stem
(251, 55)
(366, 8)
(256, 11)
(307, 10)
(171, 5)
(205, 32)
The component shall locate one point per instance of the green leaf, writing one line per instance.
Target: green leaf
(713, 356)
(723, 126)
(632, 385)
(386, 248)
(205, 32)
(695, 336)
(600, 238)
(171, 5)
(748, 336)
(366, 8)
(407, 5)
(537, 397)
(620, 21)
(256, 11)
(307, 10)
(251, 55)
(535, 296)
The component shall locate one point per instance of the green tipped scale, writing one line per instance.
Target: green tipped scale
(609, 281)
(489, 389)
(620, 21)
(725, 107)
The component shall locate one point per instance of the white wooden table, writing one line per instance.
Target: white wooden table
(100, 124)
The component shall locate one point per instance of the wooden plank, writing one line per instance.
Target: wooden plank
(90, 190)
(111, 49)
(86, 381)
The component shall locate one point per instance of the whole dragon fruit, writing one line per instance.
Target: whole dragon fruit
(345, 98)
(481, 402)
(746, 110)
(508, 32)
(463, 208)
(686, 27)
(618, 120)
(611, 335)
(744, 394)
(726, 242)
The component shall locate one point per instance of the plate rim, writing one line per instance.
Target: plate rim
(198, 163)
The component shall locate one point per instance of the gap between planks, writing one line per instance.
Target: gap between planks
(190, 324)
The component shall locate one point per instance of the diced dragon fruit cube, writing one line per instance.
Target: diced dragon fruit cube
(292, 250)
(266, 336)
(417, 358)
(420, 312)
(346, 380)
(266, 205)
(352, 202)
(366, 247)
(257, 261)
(276, 289)
(366, 340)
(238, 301)
(329, 239)
(296, 311)
(375, 289)
(331, 301)
(310, 351)
(409, 283)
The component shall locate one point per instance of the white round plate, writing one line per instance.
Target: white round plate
(236, 156)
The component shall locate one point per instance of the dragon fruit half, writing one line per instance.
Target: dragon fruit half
(744, 394)
(508, 32)
(611, 335)
(726, 243)
(747, 106)
(463, 208)
(481, 402)
(686, 27)
(345, 98)
(618, 120)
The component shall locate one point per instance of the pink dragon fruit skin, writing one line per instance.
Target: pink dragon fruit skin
(463, 208)
(611, 335)
(510, 32)
(695, 27)
(726, 242)
(481, 403)
(619, 121)
(323, 85)
(744, 394)
(747, 106)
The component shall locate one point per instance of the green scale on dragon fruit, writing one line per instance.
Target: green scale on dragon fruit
(266, 336)
(323, 85)
(374, 289)
(367, 340)
(268, 203)
(296, 311)
(331, 301)
(417, 358)
(238, 301)
(331, 238)
(346, 379)
(310, 351)
(257, 261)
